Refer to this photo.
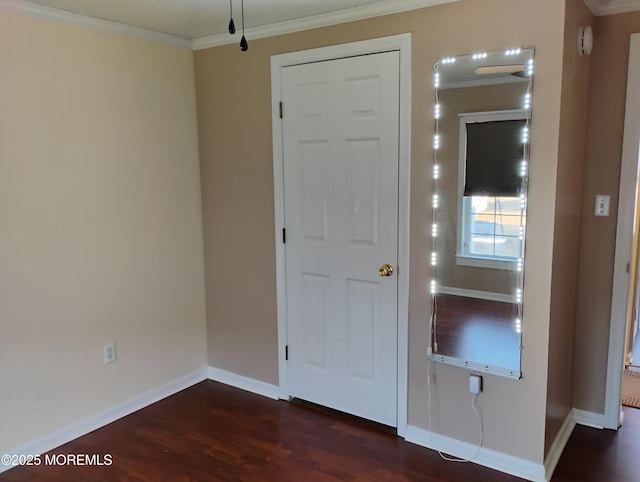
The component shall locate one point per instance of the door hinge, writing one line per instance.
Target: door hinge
(628, 267)
(284, 235)
(286, 352)
(281, 111)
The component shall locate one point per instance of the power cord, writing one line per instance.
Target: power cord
(475, 408)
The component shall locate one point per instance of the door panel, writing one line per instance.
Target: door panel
(362, 321)
(340, 144)
(313, 158)
(315, 301)
(364, 180)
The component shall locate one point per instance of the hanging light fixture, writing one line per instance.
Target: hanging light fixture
(244, 46)
(232, 25)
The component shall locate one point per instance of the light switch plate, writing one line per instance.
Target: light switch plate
(602, 205)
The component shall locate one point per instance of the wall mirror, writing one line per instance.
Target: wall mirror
(481, 153)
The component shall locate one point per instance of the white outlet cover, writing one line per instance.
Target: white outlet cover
(110, 353)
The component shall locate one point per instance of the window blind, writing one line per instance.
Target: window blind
(494, 152)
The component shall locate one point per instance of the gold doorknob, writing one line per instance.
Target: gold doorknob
(385, 270)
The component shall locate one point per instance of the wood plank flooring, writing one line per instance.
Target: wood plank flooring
(481, 331)
(212, 432)
(594, 455)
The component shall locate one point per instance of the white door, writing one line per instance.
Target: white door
(627, 203)
(340, 143)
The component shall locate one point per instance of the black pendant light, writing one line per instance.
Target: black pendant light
(244, 46)
(232, 25)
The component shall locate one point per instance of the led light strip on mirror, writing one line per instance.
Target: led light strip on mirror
(524, 68)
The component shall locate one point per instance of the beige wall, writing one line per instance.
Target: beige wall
(234, 125)
(100, 208)
(607, 97)
(566, 242)
(236, 160)
(457, 101)
(100, 221)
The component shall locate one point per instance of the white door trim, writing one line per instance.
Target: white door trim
(624, 239)
(401, 43)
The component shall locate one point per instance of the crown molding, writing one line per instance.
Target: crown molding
(64, 16)
(317, 21)
(611, 7)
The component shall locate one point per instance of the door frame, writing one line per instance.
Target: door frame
(401, 43)
(624, 241)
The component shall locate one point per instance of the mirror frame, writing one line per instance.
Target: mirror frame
(519, 285)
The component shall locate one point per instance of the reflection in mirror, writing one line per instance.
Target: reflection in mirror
(480, 171)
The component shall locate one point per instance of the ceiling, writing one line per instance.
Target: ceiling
(201, 19)
(610, 7)
(464, 71)
(203, 23)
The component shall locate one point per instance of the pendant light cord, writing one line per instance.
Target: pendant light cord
(232, 25)
(244, 46)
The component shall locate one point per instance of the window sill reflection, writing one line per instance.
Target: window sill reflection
(487, 262)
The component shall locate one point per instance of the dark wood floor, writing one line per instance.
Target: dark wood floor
(212, 432)
(603, 455)
(476, 330)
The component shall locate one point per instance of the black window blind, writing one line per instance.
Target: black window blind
(494, 153)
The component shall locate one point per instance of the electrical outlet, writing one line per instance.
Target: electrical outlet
(475, 384)
(110, 353)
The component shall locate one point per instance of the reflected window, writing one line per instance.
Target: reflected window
(491, 170)
(492, 227)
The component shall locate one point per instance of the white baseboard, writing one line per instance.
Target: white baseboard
(589, 419)
(555, 451)
(83, 427)
(493, 459)
(481, 295)
(244, 383)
